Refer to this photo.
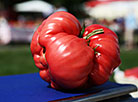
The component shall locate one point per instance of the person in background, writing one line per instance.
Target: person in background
(5, 33)
(130, 26)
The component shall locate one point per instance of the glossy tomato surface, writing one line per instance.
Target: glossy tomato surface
(55, 23)
(69, 60)
(107, 52)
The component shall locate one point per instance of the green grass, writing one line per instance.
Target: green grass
(17, 59)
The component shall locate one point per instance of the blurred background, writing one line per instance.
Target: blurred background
(20, 18)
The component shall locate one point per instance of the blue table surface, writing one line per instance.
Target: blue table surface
(31, 88)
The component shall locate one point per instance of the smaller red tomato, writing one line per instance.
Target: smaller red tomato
(107, 53)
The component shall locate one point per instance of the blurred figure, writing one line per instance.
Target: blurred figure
(114, 26)
(5, 33)
(117, 25)
(130, 26)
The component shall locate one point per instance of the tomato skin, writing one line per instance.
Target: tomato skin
(107, 53)
(55, 23)
(69, 59)
(92, 27)
(61, 22)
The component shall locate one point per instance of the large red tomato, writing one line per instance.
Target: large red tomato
(56, 23)
(67, 61)
(61, 22)
(107, 53)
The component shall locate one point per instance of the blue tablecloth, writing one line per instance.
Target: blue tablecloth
(31, 88)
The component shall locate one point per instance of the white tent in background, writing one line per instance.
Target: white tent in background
(34, 6)
(111, 8)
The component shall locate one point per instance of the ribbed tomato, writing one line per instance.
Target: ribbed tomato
(56, 23)
(69, 62)
(107, 52)
(69, 58)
